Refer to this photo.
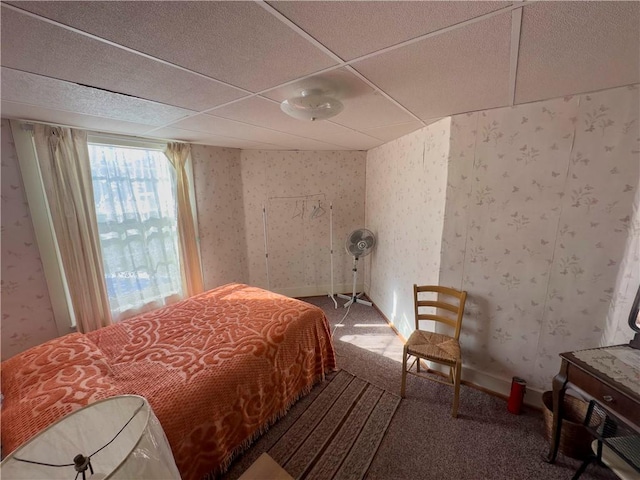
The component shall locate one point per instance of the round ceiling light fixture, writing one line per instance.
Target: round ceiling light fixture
(312, 105)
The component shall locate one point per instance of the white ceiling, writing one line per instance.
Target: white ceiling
(215, 72)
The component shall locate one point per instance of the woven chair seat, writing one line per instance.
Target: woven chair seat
(434, 345)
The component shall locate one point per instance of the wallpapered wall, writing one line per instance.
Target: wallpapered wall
(27, 317)
(405, 206)
(617, 329)
(547, 194)
(219, 194)
(296, 189)
(538, 211)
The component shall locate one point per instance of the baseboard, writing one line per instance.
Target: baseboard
(500, 387)
(493, 385)
(496, 386)
(316, 290)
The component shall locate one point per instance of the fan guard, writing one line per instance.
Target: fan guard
(360, 243)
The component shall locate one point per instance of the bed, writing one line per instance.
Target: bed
(217, 369)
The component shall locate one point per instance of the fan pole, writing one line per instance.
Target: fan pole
(355, 298)
(266, 242)
(331, 295)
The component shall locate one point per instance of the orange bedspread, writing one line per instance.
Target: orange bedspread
(217, 369)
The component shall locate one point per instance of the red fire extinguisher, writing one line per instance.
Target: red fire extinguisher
(516, 398)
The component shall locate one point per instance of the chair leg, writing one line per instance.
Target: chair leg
(404, 372)
(456, 387)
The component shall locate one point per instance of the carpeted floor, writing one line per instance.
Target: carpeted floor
(422, 440)
(339, 433)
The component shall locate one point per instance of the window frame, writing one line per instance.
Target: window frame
(146, 146)
(53, 270)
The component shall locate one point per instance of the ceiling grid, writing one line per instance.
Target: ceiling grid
(516, 24)
(215, 72)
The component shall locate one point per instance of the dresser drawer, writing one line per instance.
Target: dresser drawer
(604, 394)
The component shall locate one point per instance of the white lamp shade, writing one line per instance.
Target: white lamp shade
(139, 451)
(312, 105)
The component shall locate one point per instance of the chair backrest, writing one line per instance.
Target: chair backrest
(446, 299)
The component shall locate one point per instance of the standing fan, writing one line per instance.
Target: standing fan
(359, 243)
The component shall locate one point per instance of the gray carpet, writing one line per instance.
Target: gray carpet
(422, 440)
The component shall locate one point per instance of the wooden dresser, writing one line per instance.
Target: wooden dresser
(610, 375)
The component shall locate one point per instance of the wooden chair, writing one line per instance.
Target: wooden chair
(436, 347)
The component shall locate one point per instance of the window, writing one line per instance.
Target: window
(135, 199)
(138, 207)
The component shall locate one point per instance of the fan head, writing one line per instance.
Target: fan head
(360, 242)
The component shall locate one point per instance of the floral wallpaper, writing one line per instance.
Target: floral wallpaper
(537, 214)
(27, 316)
(617, 329)
(517, 171)
(405, 207)
(219, 200)
(596, 209)
(296, 190)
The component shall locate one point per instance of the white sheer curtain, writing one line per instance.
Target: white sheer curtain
(64, 165)
(135, 199)
(122, 223)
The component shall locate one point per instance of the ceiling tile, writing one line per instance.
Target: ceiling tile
(38, 47)
(267, 113)
(209, 139)
(237, 42)
(458, 71)
(352, 29)
(574, 47)
(391, 132)
(55, 94)
(88, 122)
(231, 128)
(372, 111)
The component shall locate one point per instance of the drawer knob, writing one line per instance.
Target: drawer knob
(607, 398)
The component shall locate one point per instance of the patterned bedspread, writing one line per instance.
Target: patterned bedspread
(217, 369)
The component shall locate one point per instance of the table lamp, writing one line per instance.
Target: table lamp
(115, 438)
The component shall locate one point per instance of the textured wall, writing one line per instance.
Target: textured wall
(296, 189)
(27, 317)
(604, 169)
(539, 204)
(617, 329)
(218, 189)
(537, 214)
(405, 206)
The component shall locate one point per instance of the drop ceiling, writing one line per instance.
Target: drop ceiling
(215, 72)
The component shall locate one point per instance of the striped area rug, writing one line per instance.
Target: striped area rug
(339, 433)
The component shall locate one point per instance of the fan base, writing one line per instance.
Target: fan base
(356, 299)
